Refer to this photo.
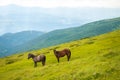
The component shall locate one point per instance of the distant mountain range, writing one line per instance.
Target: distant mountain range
(16, 43)
(19, 38)
(9, 41)
(65, 35)
(17, 18)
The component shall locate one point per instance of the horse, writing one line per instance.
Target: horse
(62, 53)
(39, 58)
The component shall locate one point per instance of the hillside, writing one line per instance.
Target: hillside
(9, 41)
(21, 37)
(95, 58)
(70, 34)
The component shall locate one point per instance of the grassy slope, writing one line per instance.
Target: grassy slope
(95, 58)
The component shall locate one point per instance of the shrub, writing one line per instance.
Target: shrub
(20, 55)
(9, 61)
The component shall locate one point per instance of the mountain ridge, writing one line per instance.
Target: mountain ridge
(65, 35)
(9, 41)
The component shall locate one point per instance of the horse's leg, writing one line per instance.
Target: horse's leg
(58, 60)
(44, 60)
(68, 56)
(35, 64)
(43, 63)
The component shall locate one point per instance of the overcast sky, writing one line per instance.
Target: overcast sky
(57, 3)
(64, 3)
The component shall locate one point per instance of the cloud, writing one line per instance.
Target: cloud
(12, 29)
(64, 3)
(51, 4)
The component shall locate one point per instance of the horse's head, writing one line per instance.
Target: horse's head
(55, 52)
(30, 55)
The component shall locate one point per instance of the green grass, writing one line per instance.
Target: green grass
(95, 58)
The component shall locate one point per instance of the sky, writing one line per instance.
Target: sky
(57, 3)
(63, 3)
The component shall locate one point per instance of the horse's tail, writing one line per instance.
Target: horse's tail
(45, 59)
(69, 54)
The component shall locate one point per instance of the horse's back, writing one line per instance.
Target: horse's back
(67, 50)
(41, 57)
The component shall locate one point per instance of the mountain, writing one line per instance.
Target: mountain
(21, 37)
(95, 58)
(9, 41)
(49, 19)
(70, 34)
(4, 46)
(27, 41)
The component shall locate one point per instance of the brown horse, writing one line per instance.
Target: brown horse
(62, 53)
(39, 58)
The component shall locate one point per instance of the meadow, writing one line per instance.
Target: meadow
(94, 58)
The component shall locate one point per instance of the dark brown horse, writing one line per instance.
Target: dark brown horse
(39, 58)
(62, 53)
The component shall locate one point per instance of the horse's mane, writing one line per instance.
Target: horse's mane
(32, 54)
(55, 51)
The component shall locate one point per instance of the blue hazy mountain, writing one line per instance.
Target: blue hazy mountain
(9, 41)
(65, 35)
(21, 37)
(16, 18)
